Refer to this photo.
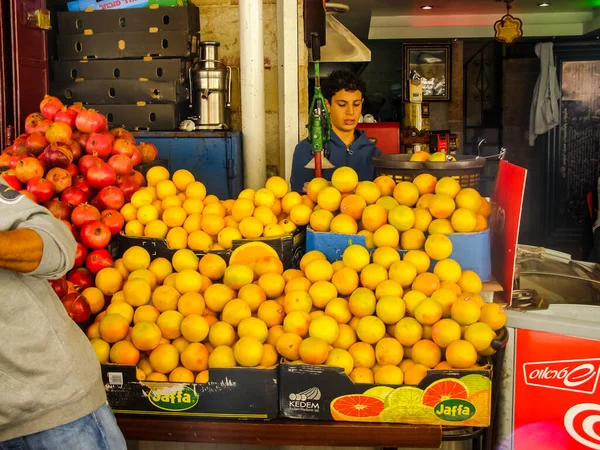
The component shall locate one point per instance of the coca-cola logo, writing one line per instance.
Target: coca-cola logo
(578, 375)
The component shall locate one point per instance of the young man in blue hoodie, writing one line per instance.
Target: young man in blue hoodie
(344, 96)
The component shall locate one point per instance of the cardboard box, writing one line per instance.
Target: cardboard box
(64, 72)
(155, 117)
(237, 393)
(162, 44)
(470, 250)
(290, 248)
(444, 397)
(127, 20)
(121, 92)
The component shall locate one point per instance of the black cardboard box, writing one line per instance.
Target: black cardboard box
(121, 92)
(121, 69)
(237, 393)
(149, 117)
(289, 248)
(444, 397)
(139, 44)
(130, 20)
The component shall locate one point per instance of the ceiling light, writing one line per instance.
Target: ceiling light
(426, 7)
(544, 4)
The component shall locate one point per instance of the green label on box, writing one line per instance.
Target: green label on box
(172, 398)
(454, 410)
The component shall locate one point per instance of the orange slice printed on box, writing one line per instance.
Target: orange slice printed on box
(356, 408)
(251, 253)
(444, 390)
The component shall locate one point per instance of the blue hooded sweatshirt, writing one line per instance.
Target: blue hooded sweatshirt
(358, 156)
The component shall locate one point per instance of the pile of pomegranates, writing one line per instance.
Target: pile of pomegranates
(68, 161)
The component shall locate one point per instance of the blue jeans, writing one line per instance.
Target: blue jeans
(96, 431)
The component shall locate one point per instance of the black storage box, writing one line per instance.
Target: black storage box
(64, 72)
(155, 117)
(160, 44)
(186, 19)
(121, 92)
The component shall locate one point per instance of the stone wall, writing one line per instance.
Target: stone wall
(219, 21)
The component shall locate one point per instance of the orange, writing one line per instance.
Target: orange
(297, 301)
(464, 220)
(344, 224)
(353, 205)
(481, 223)
(321, 220)
(386, 256)
(370, 329)
(493, 315)
(194, 328)
(156, 174)
(264, 197)
(165, 298)
(113, 328)
(344, 179)
(422, 219)
(310, 257)
(363, 355)
(277, 208)
(242, 208)
(146, 336)
(374, 217)
(164, 358)
(440, 226)
(329, 198)
(369, 242)
(470, 199)
(403, 273)
(165, 188)
(251, 228)
(290, 200)
(102, 349)
(213, 266)
(121, 308)
(195, 189)
(169, 323)
(288, 346)
(372, 275)
(227, 235)
(298, 284)
(423, 201)
(461, 354)
(191, 303)
(441, 206)
(470, 282)
(419, 259)
(465, 310)
(123, 352)
(412, 239)
(161, 268)
(387, 202)
(406, 193)
(402, 217)
(425, 182)
(212, 224)
(415, 374)
(265, 215)
(192, 223)
(438, 246)
(313, 350)
(345, 280)
(386, 184)
(420, 156)
(362, 302)
(447, 186)
(156, 229)
(268, 264)
(386, 236)
(356, 257)
(369, 191)
(447, 270)
(237, 275)
(217, 296)
(95, 298)
(485, 209)
(271, 313)
(362, 375)
(339, 310)
(388, 287)
(272, 284)
(427, 283)
(427, 353)
(300, 214)
(136, 258)
(278, 186)
(315, 186)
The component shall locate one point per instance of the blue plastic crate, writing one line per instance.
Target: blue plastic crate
(470, 250)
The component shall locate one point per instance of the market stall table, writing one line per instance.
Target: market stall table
(280, 432)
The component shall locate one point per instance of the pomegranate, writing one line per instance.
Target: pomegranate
(113, 219)
(36, 143)
(90, 121)
(80, 255)
(128, 185)
(20, 144)
(77, 107)
(58, 209)
(73, 197)
(101, 175)
(32, 121)
(82, 139)
(66, 115)
(99, 144)
(94, 234)
(11, 179)
(81, 278)
(84, 213)
(148, 151)
(139, 179)
(136, 158)
(123, 147)
(111, 197)
(50, 106)
(80, 182)
(73, 170)
(122, 133)
(27, 168)
(43, 126)
(59, 132)
(77, 307)
(122, 164)
(58, 155)
(87, 161)
(60, 179)
(75, 149)
(98, 260)
(42, 189)
(60, 287)
(29, 195)
(14, 160)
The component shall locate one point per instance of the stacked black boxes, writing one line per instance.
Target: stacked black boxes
(129, 64)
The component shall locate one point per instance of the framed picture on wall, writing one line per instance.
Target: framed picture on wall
(433, 63)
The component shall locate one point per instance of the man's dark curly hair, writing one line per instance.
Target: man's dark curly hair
(342, 80)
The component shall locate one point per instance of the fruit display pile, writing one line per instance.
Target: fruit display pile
(382, 319)
(68, 161)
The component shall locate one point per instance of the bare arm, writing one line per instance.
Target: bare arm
(20, 250)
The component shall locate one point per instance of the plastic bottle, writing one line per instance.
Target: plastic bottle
(102, 5)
